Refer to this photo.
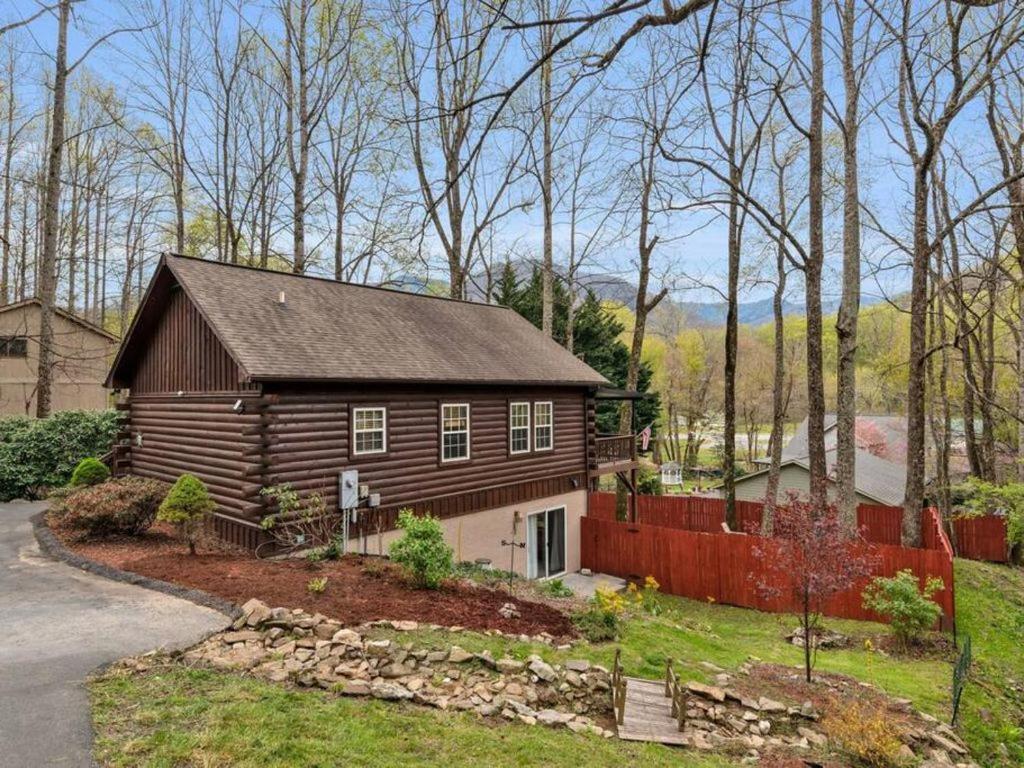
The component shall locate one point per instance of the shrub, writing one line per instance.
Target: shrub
(600, 622)
(556, 588)
(37, 454)
(422, 551)
(868, 737)
(122, 506)
(596, 626)
(302, 522)
(186, 506)
(317, 586)
(89, 471)
(649, 483)
(909, 608)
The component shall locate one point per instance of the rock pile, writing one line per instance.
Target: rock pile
(717, 717)
(284, 645)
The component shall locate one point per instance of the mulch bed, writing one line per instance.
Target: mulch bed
(358, 589)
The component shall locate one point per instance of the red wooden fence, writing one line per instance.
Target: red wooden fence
(982, 538)
(880, 524)
(726, 568)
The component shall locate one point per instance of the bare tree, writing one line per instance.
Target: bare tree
(446, 53)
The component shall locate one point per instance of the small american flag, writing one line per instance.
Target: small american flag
(645, 438)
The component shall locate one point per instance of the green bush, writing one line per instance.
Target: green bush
(38, 454)
(909, 608)
(186, 506)
(649, 483)
(555, 588)
(123, 506)
(89, 471)
(601, 621)
(422, 551)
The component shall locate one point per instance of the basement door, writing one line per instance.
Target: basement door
(545, 543)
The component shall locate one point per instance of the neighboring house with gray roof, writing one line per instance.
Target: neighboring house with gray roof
(880, 468)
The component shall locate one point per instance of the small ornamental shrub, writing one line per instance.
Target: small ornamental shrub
(317, 586)
(649, 483)
(186, 506)
(556, 588)
(909, 608)
(89, 471)
(422, 551)
(601, 621)
(868, 737)
(123, 506)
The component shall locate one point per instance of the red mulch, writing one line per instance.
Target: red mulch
(358, 589)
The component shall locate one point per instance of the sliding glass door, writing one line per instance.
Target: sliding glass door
(545, 543)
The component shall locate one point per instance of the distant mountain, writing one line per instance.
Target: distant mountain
(622, 291)
(750, 312)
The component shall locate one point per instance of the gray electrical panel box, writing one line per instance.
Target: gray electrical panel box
(348, 489)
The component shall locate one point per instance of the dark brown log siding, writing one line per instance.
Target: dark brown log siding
(183, 355)
(309, 435)
(202, 436)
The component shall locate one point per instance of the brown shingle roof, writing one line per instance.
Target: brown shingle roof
(332, 331)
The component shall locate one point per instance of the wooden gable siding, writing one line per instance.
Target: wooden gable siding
(202, 436)
(184, 355)
(308, 437)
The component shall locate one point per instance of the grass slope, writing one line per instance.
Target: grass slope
(196, 717)
(202, 718)
(990, 608)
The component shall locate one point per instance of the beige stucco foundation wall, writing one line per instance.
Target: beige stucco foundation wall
(480, 534)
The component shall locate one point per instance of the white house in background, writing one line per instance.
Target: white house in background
(880, 471)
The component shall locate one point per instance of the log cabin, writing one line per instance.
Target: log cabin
(250, 378)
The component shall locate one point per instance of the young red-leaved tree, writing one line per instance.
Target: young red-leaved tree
(810, 559)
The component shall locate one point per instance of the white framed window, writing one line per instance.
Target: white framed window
(369, 431)
(454, 431)
(519, 427)
(543, 426)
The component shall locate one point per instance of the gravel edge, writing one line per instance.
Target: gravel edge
(50, 545)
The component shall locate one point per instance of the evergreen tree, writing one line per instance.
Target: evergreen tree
(596, 341)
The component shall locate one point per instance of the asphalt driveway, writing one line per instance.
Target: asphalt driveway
(57, 625)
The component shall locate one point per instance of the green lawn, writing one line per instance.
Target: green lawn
(204, 718)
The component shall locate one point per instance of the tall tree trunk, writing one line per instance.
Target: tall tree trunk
(48, 261)
(547, 192)
(778, 375)
(813, 268)
(849, 307)
(914, 496)
(731, 344)
(5, 278)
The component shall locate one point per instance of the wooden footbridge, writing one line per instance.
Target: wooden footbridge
(648, 710)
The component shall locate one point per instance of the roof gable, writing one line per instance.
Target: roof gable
(340, 332)
(69, 316)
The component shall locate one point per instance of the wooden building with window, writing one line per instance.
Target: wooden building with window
(81, 352)
(249, 378)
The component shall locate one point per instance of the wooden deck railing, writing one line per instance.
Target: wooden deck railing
(614, 449)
